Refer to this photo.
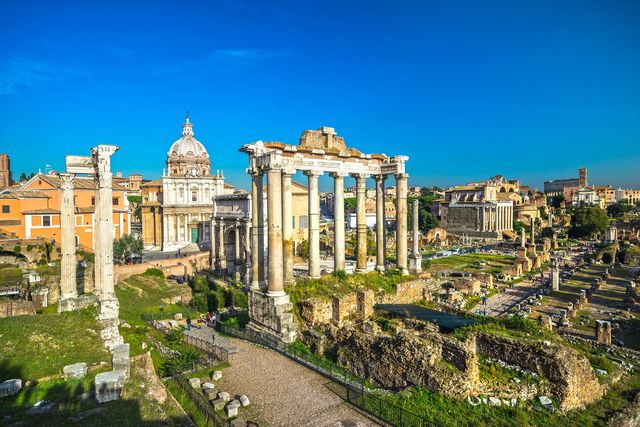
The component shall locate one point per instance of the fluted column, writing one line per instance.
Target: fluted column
(380, 222)
(338, 221)
(68, 263)
(416, 256)
(222, 255)
(314, 224)
(401, 221)
(361, 223)
(287, 226)
(237, 242)
(256, 253)
(214, 252)
(274, 217)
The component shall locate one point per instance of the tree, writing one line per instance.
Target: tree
(126, 247)
(587, 221)
(134, 202)
(546, 232)
(303, 249)
(350, 204)
(618, 209)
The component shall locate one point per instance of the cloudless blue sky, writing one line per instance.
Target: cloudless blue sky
(468, 89)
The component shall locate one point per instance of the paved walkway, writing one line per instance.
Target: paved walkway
(282, 392)
(499, 303)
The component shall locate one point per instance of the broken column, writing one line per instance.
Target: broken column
(416, 257)
(68, 263)
(108, 307)
(555, 276)
(603, 332)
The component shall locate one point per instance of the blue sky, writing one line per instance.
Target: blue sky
(531, 90)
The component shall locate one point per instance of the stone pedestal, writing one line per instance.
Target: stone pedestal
(603, 332)
(108, 309)
(109, 386)
(271, 318)
(555, 278)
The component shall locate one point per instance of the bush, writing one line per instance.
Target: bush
(426, 263)
(154, 272)
(183, 362)
(339, 274)
(200, 303)
(17, 249)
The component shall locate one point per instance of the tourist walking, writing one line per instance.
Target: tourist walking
(189, 323)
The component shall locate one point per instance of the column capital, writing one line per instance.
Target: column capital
(313, 173)
(379, 177)
(66, 181)
(401, 176)
(288, 172)
(360, 175)
(338, 174)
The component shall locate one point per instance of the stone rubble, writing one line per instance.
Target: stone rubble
(75, 371)
(109, 385)
(10, 387)
(244, 400)
(42, 407)
(195, 382)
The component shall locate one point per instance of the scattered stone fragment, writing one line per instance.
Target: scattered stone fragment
(125, 325)
(545, 401)
(10, 387)
(208, 385)
(516, 380)
(42, 407)
(143, 345)
(177, 316)
(121, 359)
(514, 401)
(195, 382)
(218, 404)
(494, 401)
(232, 408)
(210, 393)
(244, 400)
(601, 371)
(224, 396)
(109, 386)
(85, 414)
(474, 401)
(216, 376)
(172, 323)
(75, 371)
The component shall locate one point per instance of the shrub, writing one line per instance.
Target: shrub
(154, 272)
(183, 362)
(17, 249)
(199, 302)
(426, 263)
(340, 274)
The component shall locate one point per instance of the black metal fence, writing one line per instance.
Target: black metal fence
(201, 403)
(351, 389)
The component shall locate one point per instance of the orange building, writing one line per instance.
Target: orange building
(33, 210)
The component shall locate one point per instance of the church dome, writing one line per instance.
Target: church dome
(188, 145)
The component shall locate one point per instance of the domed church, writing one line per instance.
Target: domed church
(176, 209)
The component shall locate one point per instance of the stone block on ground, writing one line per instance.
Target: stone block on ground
(10, 387)
(218, 404)
(42, 407)
(232, 410)
(108, 386)
(224, 396)
(195, 382)
(121, 359)
(208, 385)
(177, 316)
(216, 376)
(210, 393)
(244, 400)
(75, 371)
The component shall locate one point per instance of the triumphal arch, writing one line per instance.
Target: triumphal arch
(320, 151)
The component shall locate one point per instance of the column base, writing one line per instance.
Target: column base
(415, 264)
(271, 317)
(76, 303)
(108, 308)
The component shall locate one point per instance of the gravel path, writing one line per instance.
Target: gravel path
(497, 304)
(283, 392)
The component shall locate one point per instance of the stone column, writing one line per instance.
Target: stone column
(108, 307)
(214, 252)
(287, 226)
(275, 280)
(522, 238)
(314, 224)
(68, 263)
(361, 223)
(555, 276)
(222, 253)
(256, 194)
(533, 231)
(380, 222)
(237, 242)
(262, 245)
(416, 256)
(401, 221)
(338, 221)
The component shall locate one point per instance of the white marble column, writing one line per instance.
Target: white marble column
(237, 242)
(416, 255)
(287, 226)
(222, 253)
(68, 263)
(361, 223)
(262, 235)
(401, 221)
(338, 221)
(380, 222)
(314, 224)
(274, 217)
(256, 194)
(214, 252)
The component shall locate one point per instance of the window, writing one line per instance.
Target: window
(93, 201)
(304, 221)
(293, 221)
(194, 196)
(114, 201)
(46, 220)
(5, 209)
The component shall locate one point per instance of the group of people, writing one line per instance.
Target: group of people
(210, 320)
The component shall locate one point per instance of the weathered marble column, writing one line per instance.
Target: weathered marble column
(401, 221)
(416, 256)
(237, 242)
(108, 306)
(274, 217)
(555, 275)
(522, 238)
(361, 223)
(533, 231)
(380, 222)
(338, 221)
(68, 263)
(314, 224)
(256, 194)
(287, 226)
(214, 252)
(262, 244)
(222, 253)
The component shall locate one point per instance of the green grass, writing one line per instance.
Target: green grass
(471, 263)
(329, 286)
(41, 345)
(513, 327)
(187, 403)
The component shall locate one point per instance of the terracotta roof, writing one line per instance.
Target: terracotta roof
(80, 183)
(92, 209)
(13, 193)
(41, 211)
(153, 183)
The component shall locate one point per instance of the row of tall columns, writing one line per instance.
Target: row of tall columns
(68, 263)
(381, 243)
(497, 218)
(361, 223)
(275, 282)
(287, 226)
(241, 234)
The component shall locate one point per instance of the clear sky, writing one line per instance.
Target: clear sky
(528, 89)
